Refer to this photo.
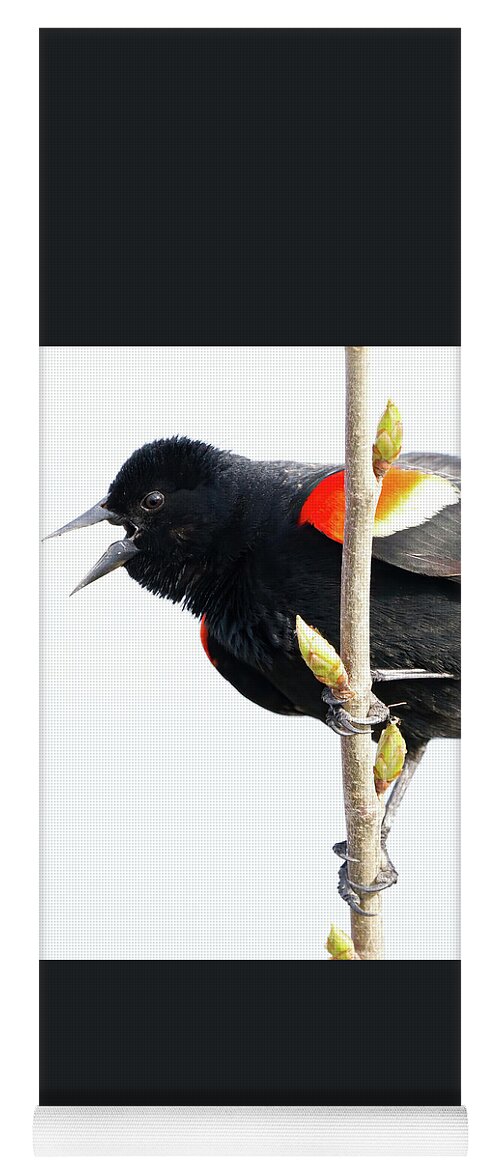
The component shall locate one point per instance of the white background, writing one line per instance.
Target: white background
(18, 858)
(178, 821)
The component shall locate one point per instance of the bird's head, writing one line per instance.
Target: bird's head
(176, 500)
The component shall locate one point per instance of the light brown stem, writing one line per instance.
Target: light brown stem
(363, 809)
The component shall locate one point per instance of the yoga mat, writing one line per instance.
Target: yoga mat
(223, 212)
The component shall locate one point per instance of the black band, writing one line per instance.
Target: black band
(153, 1032)
(250, 187)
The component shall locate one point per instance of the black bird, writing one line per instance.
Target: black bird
(247, 545)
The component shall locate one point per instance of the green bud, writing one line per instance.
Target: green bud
(390, 758)
(388, 440)
(322, 659)
(340, 945)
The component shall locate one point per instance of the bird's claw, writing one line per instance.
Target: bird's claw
(340, 721)
(340, 849)
(350, 896)
(350, 891)
(346, 725)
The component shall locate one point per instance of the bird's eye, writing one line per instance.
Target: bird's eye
(153, 501)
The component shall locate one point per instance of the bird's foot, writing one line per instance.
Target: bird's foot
(350, 891)
(346, 725)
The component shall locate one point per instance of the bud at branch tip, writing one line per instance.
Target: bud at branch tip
(340, 945)
(390, 757)
(388, 440)
(322, 659)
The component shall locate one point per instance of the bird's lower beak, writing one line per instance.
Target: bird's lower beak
(118, 554)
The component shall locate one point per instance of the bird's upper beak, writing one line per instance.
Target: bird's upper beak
(118, 553)
(91, 517)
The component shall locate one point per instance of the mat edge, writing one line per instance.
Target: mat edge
(236, 1130)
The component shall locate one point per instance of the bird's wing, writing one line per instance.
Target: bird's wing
(417, 523)
(248, 681)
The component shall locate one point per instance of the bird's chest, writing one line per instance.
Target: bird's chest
(257, 636)
(256, 622)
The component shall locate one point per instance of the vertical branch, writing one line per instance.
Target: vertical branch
(363, 808)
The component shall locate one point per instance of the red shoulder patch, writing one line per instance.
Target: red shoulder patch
(204, 635)
(408, 497)
(325, 507)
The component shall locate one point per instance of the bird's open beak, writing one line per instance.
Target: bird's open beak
(118, 553)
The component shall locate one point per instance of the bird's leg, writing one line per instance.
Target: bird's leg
(387, 874)
(399, 789)
(344, 724)
(408, 674)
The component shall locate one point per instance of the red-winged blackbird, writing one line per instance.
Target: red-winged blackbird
(247, 545)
